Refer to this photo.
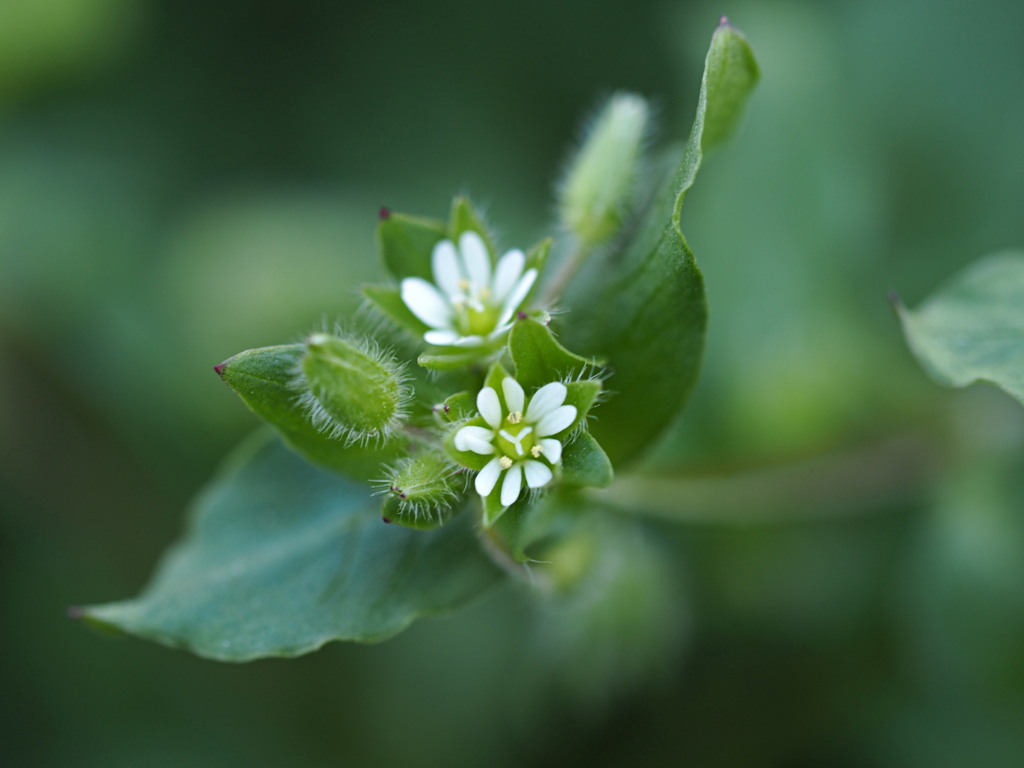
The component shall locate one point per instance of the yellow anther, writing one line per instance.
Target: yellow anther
(515, 417)
(535, 451)
(505, 462)
(485, 293)
(464, 285)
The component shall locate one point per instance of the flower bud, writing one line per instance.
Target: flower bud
(420, 491)
(350, 391)
(599, 187)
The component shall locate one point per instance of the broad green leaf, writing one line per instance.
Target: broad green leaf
(539, 359)
(405, 244)
(973, 328)
(265, 380)
(642, 307)
(585, 464)
(281, 558)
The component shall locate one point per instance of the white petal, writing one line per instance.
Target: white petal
(509, 270)
(554, 422)
(474, 256)
(517, 296)
(501, 330)
(512, 485)
(469, 341)
(551, 449)
(447, 273)
(489, 406)
(537, 475)
(515, 398)
(475, 439)
(487, 477)
(426, 303)
(441, 338)
(545, 400)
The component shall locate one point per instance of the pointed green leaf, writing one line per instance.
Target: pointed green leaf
(405, 244)
(642, 307)
(465, 218)
(265, 380)
(281, 558)
(585, 464)
(973, 328)
(539, 359)
(583, 395)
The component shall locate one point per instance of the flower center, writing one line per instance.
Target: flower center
(515, 439)
(476, 317)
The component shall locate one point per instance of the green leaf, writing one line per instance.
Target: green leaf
(973, 328)
(281, 557)
(583, 395)
(465, 218)
(405, 244)
(539, 359)
(584, 463)
(642, 306)
(265, 380)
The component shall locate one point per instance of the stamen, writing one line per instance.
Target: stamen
(535, 451)
(485, 293)
(505, 462)
(515, 418)
(464, 285)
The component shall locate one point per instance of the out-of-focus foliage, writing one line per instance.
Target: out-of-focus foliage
(206, 179)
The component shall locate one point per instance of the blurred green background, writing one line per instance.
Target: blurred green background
(183, 180)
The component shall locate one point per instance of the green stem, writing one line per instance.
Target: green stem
(566, 271)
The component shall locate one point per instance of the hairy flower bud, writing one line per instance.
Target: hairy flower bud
(600, 183)
(351, 391)
(420, 491)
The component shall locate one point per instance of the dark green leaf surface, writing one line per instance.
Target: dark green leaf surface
(539, 359)
(264, 379)
(973, 328)
(643, 307)
(281, 557)
(405, 244)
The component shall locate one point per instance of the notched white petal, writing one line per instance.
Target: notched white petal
(424, 301)
(487, 477)
(509, 270)
(474, 256)
(554, 422)
(468, 341)
(447, 272)
(489, 406)
(545, 400)
(537, 475)
(512, 485)
(515, 397)
(517, 296)
(441, 338)
(475, 439)
(551, 449)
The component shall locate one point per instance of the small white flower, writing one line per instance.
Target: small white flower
(468, 304)
(518, 437)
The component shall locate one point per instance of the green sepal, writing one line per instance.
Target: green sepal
(460, 406)
(583, 395)
(493, 511)
(585, 464)
(387, 299)
(456, 358)
(406, 243)
(539, 358)
(392, 511)
(421, 491)
(465, 218)
(265, 380)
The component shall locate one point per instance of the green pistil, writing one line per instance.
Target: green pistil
(516, 439)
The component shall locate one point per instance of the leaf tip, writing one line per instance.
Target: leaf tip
(384, 213)
(386, 520)
(724, 22)
(75, 612)
(220, 368)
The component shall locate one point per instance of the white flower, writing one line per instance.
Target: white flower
(518, 436)
(468, 304)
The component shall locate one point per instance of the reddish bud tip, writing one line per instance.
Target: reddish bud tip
(893, 297)
(384, 213)
(521, 315)
(74, 612)
(447, 407)
(219, 369)
(386, 520)
(724, 21)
